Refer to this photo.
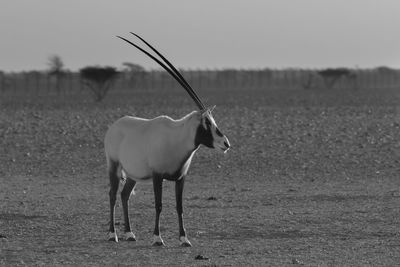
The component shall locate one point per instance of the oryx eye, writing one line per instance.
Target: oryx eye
(208, 123)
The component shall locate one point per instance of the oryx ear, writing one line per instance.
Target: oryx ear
(203, 120)
(208, 110)
(211, 109)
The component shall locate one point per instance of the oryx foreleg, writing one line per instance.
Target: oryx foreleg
(179, 209)
(157, 186)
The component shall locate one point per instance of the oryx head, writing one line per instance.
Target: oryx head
(207, 132)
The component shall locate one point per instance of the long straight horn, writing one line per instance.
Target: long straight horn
(182, 82)
(172, 67)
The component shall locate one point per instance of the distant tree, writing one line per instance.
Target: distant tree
(133, 67)
(134, 73)
(56, 69)
(387, 76)
(331, 76)
(55, 64)
(385, 69)
(98, 79)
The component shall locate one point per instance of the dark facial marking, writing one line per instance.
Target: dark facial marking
(208, 123)
(218, 132)
(226, 144)
(204, 135)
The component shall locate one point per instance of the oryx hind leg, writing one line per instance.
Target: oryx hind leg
(125, 195)
(114, 183)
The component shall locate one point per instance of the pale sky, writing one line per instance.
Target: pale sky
(201, 34)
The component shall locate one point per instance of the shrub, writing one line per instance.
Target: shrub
(99, 80)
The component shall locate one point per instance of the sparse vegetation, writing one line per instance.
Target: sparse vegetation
(331, 76)
(37, 85)
(56, 70)
(99, 80)
(134, 74)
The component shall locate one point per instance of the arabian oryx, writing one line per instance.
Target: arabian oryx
(139, 150)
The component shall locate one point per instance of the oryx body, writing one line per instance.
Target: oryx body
(139, 150)
(147, 147)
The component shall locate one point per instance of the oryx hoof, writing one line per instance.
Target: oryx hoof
(112, 237)
(186, 245)
(129, 236)
(184, 242)
(158, 242)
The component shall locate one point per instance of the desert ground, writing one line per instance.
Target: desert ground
(312, 179)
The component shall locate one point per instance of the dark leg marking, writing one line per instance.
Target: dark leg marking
(179, 208)
(125, 195)
(114, 183)
(179, 184)
(157, 186)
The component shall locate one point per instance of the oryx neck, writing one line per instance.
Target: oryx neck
(190, 126)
